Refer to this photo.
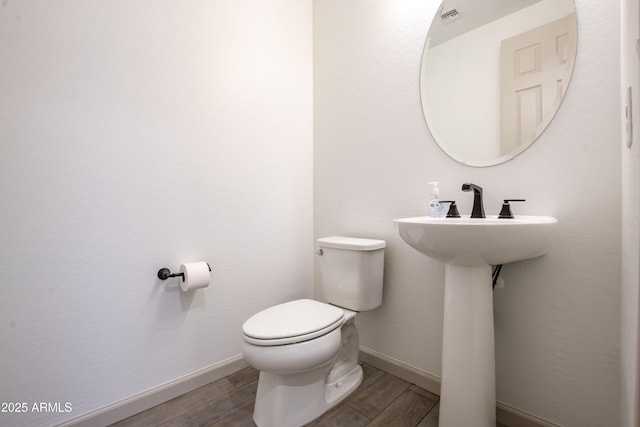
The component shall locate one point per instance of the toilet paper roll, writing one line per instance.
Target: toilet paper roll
(196, 275)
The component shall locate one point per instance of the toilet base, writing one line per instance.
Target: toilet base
(294, 400)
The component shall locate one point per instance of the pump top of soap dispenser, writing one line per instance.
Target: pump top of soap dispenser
(435, 191)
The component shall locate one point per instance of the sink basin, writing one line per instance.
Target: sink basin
(469, 246)
(474, 240)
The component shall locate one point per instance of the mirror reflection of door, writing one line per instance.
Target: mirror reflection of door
(535, 68)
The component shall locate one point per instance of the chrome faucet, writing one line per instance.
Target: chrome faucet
(478, 207)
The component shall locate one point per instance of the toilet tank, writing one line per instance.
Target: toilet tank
(351, 270)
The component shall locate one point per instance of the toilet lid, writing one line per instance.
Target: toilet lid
(292, 319)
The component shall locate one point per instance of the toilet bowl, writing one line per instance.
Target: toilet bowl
(307, 350)
(304, 375)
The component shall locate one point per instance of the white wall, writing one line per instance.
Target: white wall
(557, 319)
(133, 136)
(630, 77)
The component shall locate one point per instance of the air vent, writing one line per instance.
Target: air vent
(449, 16)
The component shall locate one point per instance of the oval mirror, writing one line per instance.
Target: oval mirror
(494, 73)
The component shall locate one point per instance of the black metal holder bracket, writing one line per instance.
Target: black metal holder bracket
(165, 273)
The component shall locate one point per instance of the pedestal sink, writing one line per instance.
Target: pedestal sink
(469, 246)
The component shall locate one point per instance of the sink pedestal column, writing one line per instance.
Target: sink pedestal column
(467, 396)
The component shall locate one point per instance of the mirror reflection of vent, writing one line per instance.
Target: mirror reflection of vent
(449, 16)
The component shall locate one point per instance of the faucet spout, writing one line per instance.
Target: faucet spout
(478, 205)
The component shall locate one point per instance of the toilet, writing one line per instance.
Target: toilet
(306, 350)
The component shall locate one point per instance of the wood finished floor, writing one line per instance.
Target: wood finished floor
(381, 400)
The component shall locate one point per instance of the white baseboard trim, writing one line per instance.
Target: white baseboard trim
(401, 370)
(506, 414)
(514, 417)
(157, 395)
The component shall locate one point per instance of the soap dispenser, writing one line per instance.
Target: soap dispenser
(435, 208)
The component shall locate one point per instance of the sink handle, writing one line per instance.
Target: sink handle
(453, 209)
(505, 212)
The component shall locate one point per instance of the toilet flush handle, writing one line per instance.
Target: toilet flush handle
(320, 252)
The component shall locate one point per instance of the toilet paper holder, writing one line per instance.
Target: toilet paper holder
(165, 273)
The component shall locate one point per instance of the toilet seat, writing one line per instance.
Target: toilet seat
(292, 322)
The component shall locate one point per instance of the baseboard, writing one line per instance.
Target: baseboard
(505, 414)
(401, 370)
(514, 417)
(157, 395)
